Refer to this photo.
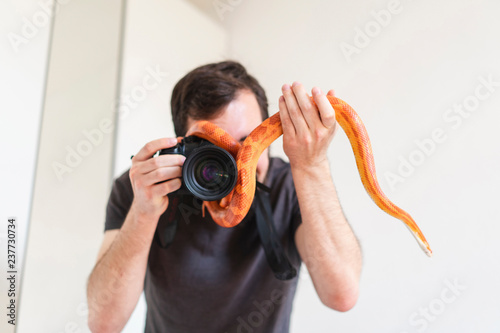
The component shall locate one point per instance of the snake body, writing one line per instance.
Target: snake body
(230, 211)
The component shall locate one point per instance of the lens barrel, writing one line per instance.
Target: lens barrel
(210, 173)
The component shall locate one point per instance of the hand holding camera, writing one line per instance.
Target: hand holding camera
(153, 178)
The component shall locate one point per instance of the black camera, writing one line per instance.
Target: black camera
(209, 172)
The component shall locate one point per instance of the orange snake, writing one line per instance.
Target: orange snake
(230, 211)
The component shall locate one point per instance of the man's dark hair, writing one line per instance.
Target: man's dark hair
(204, 91)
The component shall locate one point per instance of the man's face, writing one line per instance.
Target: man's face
(240, 117)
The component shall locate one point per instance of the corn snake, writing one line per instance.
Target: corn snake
(230, 211)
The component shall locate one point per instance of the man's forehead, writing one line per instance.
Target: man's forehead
(240, 117)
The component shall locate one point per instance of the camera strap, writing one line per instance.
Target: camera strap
(275, 255)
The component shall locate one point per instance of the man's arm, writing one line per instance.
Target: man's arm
(324, 240)
(117, 280)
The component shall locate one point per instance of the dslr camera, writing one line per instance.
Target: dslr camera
(209, 172)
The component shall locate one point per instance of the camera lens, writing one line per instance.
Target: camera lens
(210, 173)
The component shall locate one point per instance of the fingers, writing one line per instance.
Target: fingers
(167, 187)
(162, 174)
(326, 111)
(297, 112)
(286, 122)
(309, 111)
(152, 147)
(293, 109)
(149, 171)
(161, 161)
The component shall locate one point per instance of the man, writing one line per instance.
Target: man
(214, 279)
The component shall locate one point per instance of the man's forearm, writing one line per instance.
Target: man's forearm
(325, 240)
(115, 284)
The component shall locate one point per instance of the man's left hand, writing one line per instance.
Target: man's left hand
(307, 128)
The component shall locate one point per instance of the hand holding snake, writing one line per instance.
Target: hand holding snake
(231, 210)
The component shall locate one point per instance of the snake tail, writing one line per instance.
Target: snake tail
(355, 130)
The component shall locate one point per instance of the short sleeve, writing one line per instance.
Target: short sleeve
(119, 202)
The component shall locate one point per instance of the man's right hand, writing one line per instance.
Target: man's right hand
(146, 173)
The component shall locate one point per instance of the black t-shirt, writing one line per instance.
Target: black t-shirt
(215, 279)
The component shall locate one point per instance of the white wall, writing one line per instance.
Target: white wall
(430, 56)
(68, 204)
(23, 60)
(170, 37)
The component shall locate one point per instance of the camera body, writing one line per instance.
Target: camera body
(209, 172)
